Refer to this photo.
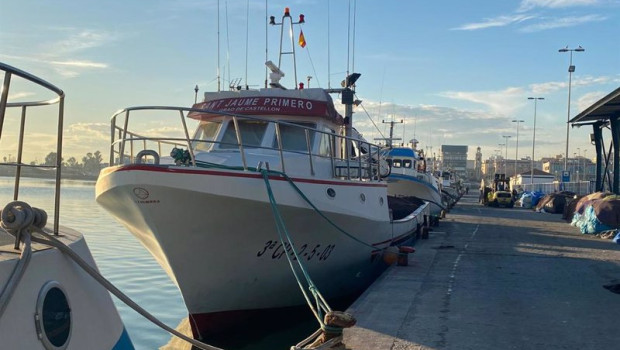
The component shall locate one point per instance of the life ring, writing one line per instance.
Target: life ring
(147, 152)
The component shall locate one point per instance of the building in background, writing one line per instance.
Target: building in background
(580, 168)
(454, 158)
(478, 164)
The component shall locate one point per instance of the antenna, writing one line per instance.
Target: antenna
(218, 45)
(266, 40)
(227, 42)
(353, 43)
(329, 78)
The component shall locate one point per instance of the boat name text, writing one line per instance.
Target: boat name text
(258, 103)
(275, 247)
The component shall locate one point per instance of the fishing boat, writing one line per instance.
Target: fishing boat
(409, 176)
(262, 164)
(47, 301)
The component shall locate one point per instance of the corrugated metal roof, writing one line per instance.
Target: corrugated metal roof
(604, 109)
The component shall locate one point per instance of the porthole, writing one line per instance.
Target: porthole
(381, 201)
(362, 197)
(53, 317)
(331, 192)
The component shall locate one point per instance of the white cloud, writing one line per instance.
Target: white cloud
(527, 5)
(589, 99)
(548, 87)
(499, 21)
(501, 102)
(80, 64)
(563, 22)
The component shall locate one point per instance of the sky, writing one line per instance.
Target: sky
(456, 72)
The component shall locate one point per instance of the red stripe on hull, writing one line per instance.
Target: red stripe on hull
(166, 169)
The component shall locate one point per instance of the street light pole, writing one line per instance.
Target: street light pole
(578, 163)
(533, 139)
(506, 159)
(517, 146)
(571, 69)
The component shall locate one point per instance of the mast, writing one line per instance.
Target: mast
(287, 16)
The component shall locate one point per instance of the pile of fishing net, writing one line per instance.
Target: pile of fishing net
(554, 202)
(597, 213)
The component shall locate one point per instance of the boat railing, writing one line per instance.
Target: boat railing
(126, 146)
(9, 73)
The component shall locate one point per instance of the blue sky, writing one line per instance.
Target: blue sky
(457, 72)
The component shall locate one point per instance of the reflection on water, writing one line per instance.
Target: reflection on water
(125, 263)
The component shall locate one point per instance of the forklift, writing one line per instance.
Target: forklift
(497, 194)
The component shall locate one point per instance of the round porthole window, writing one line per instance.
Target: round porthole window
(331, 192)
(380, 200)
(53, 317)
(362, 197)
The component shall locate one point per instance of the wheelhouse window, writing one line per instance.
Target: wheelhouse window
(397, 163)
(252, 132)
(205, 135)
(325, 146)
(407, 163)
(294, 137)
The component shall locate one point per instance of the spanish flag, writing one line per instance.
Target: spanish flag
(302, 39)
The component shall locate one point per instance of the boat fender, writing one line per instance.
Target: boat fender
(147, 152)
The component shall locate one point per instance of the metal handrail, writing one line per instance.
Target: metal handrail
(9, 71)
(364, 163)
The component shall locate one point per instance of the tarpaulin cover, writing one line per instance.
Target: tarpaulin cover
(554, 202)
(588, 223)
(608, 212)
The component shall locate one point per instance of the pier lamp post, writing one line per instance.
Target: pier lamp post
(506, 159)
(533, 139)
(517, 145)
(571, 69)
(578, 163)
(499, 151)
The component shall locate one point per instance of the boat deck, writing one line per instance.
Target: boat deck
(495, 278)
(7, 241)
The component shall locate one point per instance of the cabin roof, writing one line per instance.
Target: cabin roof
(402, 152)
(314, 102)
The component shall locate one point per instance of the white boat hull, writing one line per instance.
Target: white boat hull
(405, 185)
(94, 319)
(214, 233)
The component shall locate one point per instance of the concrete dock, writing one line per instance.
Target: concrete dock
(495, 278)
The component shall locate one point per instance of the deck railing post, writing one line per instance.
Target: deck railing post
(240, 143)
(309, 148)
(279, 139)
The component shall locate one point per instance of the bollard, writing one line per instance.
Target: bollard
(403, 255)
(425, 232)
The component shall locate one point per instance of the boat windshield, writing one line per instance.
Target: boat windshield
(293, 137)
(252, 132)
(205, 135)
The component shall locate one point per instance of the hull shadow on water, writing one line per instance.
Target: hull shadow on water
(271, 332)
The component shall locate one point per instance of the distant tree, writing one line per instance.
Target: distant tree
(50, 159)
(72, 163)
(92, 162)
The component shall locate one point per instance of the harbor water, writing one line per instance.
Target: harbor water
(124, 262)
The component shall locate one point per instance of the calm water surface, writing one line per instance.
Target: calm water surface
(125, 263)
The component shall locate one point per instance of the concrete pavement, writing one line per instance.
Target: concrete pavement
(495, 278)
